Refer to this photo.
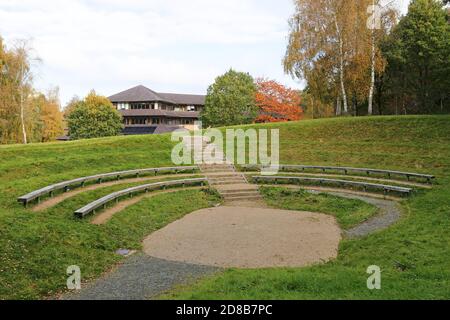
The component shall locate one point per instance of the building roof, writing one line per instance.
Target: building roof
(160, 113)
(189, 99)
(144, 94)
(160, 129)
(154, 129)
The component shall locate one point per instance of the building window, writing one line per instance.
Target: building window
(138, 121)
(142, 106)
(122, 106)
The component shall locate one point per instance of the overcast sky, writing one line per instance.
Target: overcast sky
(167, 45)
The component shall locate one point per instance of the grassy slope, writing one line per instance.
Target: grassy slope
(36, 248)
(348, 212)
(414, 255)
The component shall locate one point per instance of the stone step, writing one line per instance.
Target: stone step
(216, 175)
(226, 179)
(212, 162)
(240, 195)
(232, 175)
(240, 191)
(243, 198)
(212, 172)
(222, 183)
(238, 186)
(217, 169)
(219, 182)
(224, 163)
(216, 165)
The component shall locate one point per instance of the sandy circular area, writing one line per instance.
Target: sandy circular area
(247, 238)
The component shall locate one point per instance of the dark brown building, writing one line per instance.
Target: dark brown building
(145, 111)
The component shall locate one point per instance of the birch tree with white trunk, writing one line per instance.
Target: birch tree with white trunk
(24, 79)
(318, 36)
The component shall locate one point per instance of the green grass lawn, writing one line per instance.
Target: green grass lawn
(414, 254)
(348, 212)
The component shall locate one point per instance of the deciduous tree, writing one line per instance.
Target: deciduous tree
(230, 100)
(276, 102)
(418, 54)
(94, 117)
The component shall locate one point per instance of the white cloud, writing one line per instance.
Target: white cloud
(174, 45)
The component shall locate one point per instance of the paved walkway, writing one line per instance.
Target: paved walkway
(231, 184)
(389, 213)
(241, 237)
(141, 277)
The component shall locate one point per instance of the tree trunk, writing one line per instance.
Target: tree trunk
(21, 102)
(372, 77)
(338, 106)
(22, 117)
(341, 65)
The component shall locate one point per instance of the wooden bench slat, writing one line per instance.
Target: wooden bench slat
(65, 184)
(116, 195)
(342, 182)
(347, 169)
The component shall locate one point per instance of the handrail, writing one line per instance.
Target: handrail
(25, 199)
(91, 207)
(320, 181)
(368, 171)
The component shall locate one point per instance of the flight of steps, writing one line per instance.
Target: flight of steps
(231, 184)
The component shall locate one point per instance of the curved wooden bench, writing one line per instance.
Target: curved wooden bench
(346, 170)
(80, 182)
(102, 202)
(341, 183)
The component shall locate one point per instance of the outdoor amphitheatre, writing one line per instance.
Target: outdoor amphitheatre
(351, 193)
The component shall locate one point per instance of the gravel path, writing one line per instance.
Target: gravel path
(242, 237)
(389, 213)
(389, 210)
(141, 277)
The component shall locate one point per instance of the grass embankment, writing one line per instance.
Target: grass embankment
(348, 212)
(36, 248)
(414, 255)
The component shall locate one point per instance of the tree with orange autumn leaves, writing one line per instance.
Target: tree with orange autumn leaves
(277, 103)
